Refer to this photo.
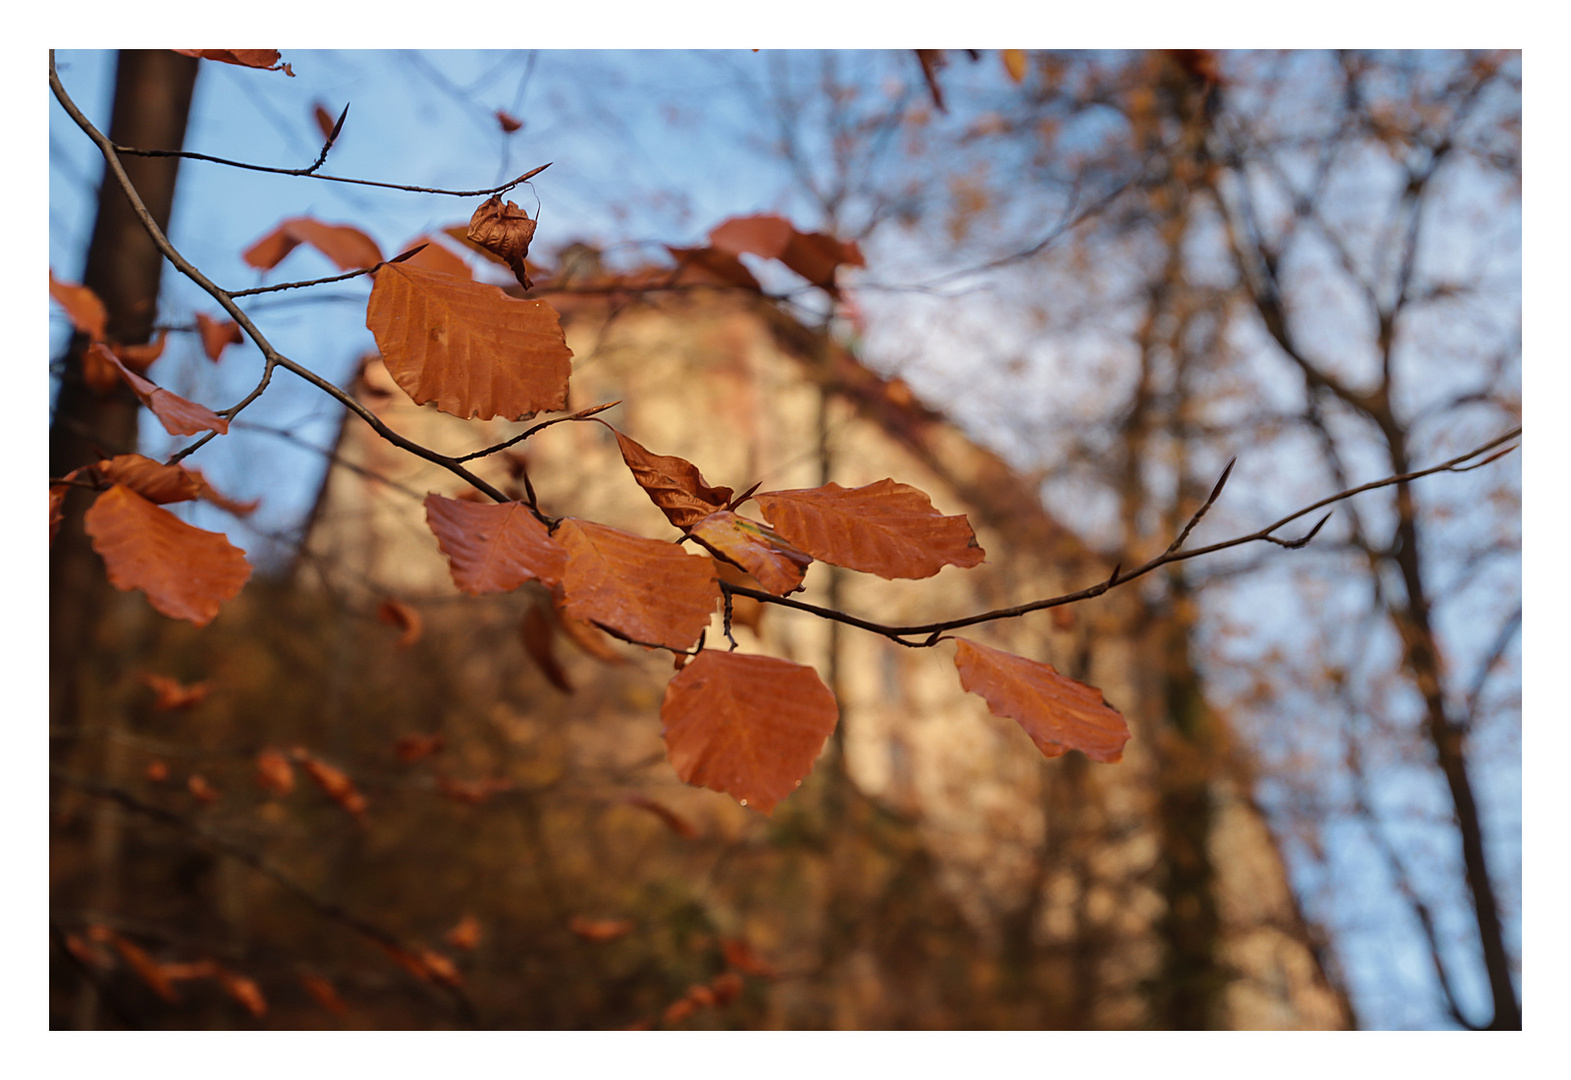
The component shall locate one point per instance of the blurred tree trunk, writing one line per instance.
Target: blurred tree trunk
(93, 637)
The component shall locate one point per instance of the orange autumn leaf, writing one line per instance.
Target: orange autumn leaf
(267, 59)
(493, 547)
(538, 636)
(600, 930)
(756, 548)
(173, 694)
(154, 481)
(673, 821)
(644, 591)
(740, 956)
(588, 637)
(706, 266)
(883, 528)
(412, 748)
(815, 256)
(217, 336)
(345, 245)
(323, 994)
(242, 989)
(1015, 64)
(148, 970)
(324, 120)
(434, 256)
(468, 347)
(402, 617)
(506, 232)
(1058, 713)
(274, 773)
(207, 493)
(334, 782)
(750, 726)
(672, 483)
(185, 572)
(508, 122)
(140, 357)
(179, 416)
(465, 935)
(82, 306)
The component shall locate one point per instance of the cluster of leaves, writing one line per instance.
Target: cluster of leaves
(748, 725)
(745, 724)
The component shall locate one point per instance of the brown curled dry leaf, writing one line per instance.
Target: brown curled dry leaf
(673, 484)
(217, 336)
(506, 231)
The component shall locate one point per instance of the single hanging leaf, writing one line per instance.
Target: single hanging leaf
(140, 357)
(437, 258)
(186, 572)
(673, 484)
(470, 348)
(216, 336)
(1015, 64)
(1058, 713)
(267, 59)
(82, 306)
(815, 256)
(750, 726)
(493, 547)
(172, 694)
(150, 479)
(646, 591)
(505, 231)
(756, 548)
(538, 636)
(334, 782)
(402, 617)
(179, 416)
(884, 528)
(345, 245)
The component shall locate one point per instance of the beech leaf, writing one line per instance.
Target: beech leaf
(1058, 713)
(82, 306)
(186, 572)
(470, 348)
(216, 336)
(756, 548)
(1015, 64)
(173, 694)
(883, 528)
(267, 59)
(505, 231)
(750, 726)
(493, 547)
(672, 483)
(433, 256)
(815, 256)
(154, 481)
(707, 266)
(345, 245)
(401, 616)
(179, 416)
(648, 592)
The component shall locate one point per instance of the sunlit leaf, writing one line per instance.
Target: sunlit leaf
(750, 726)
(345, 245)
(82, 306)
(646, 591)
(186, 572)
(493, 547)
(883, 528)
(179, 416)
(1058, 713)
(672, 483)
(470, 348)
(756, 548)
(815, 256)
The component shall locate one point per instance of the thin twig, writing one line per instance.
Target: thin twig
(411, 253)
